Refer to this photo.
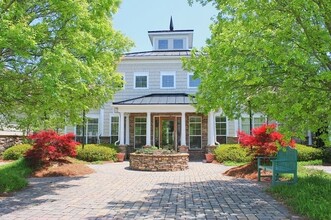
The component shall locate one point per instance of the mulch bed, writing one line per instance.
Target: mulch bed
(63, 168)
(247, 171)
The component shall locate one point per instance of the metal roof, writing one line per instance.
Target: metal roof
(159, 99)
(169, 31)
(159, 53)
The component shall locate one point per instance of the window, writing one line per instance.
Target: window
(91, 131)
(141, 80)
(114, 129)
(139, 132)
(192, 82)
(168, 80)
(178, 44)
(163, 44)
(256, 122)
(220, 122)
(195, 132)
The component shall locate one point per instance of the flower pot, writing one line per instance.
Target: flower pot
(120, 157)
(209, 157)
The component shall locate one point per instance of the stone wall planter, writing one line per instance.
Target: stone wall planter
(162, 162)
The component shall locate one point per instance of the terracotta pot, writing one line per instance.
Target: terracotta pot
(120, 157)
(209, 157)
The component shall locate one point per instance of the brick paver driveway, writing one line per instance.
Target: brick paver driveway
(115, 192)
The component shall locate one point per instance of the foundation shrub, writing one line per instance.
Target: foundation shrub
(16, 152)
(306, 153)
(232, 152)
(96, 152)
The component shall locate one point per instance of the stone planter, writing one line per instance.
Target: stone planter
(162, 162)
(183, 149)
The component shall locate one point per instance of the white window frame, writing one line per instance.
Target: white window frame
(188, 81)
(173, 43)
(256, 116)
(110, 124)
(167, 74)
(226, 124)
(141, 74)
(134, 130)
(89, 116)
(158, 44)
(189, 132)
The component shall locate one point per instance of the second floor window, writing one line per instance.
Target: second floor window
(141, 81)
(168, 80)
(192, 82)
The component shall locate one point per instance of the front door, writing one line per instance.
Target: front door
(166, 132)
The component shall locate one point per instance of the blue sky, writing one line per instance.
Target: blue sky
(136, 17)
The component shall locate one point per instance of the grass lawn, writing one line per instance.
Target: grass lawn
(310, 197)
(13, 176)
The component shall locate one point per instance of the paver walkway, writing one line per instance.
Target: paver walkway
(115, 192)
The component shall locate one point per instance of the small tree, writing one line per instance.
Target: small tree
(49, 146)
(265, 140)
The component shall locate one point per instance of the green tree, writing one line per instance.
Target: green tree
(57, 58)
(275, 54)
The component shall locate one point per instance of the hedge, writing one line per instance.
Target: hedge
(96, 152)
(16, 152)
(236, 153)
(232, 152)
(306, 153)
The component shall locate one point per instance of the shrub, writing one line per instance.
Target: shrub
(232, 152)
(154, 151)
(265, 139)
(306, 153)
(13, 176)
(95, 152)
(16, 152)
(50, 146)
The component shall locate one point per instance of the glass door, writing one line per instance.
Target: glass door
(167, 137)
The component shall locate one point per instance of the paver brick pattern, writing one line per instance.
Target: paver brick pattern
(116, 192)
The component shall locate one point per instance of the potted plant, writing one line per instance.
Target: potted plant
(121, 154)
(210, 156)
(120, 157)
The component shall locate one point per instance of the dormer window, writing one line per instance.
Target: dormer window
(178, 44)
(163, 44)
(170, 44)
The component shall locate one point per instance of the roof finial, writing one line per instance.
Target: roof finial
(171, 24)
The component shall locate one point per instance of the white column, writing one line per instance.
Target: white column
(127, 132)
(211, 128)
(183, 130)
(101, 122)
(148, 129)
(121, 128)
(236, 127)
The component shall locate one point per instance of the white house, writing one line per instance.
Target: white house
(155, 105)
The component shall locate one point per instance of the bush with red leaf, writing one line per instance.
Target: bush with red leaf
(265, 140)
(49, 146)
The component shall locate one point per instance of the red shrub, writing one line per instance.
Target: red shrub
(50, 146)
(265, 139)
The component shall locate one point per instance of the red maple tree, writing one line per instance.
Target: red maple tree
(50, 146)
(265, 140)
